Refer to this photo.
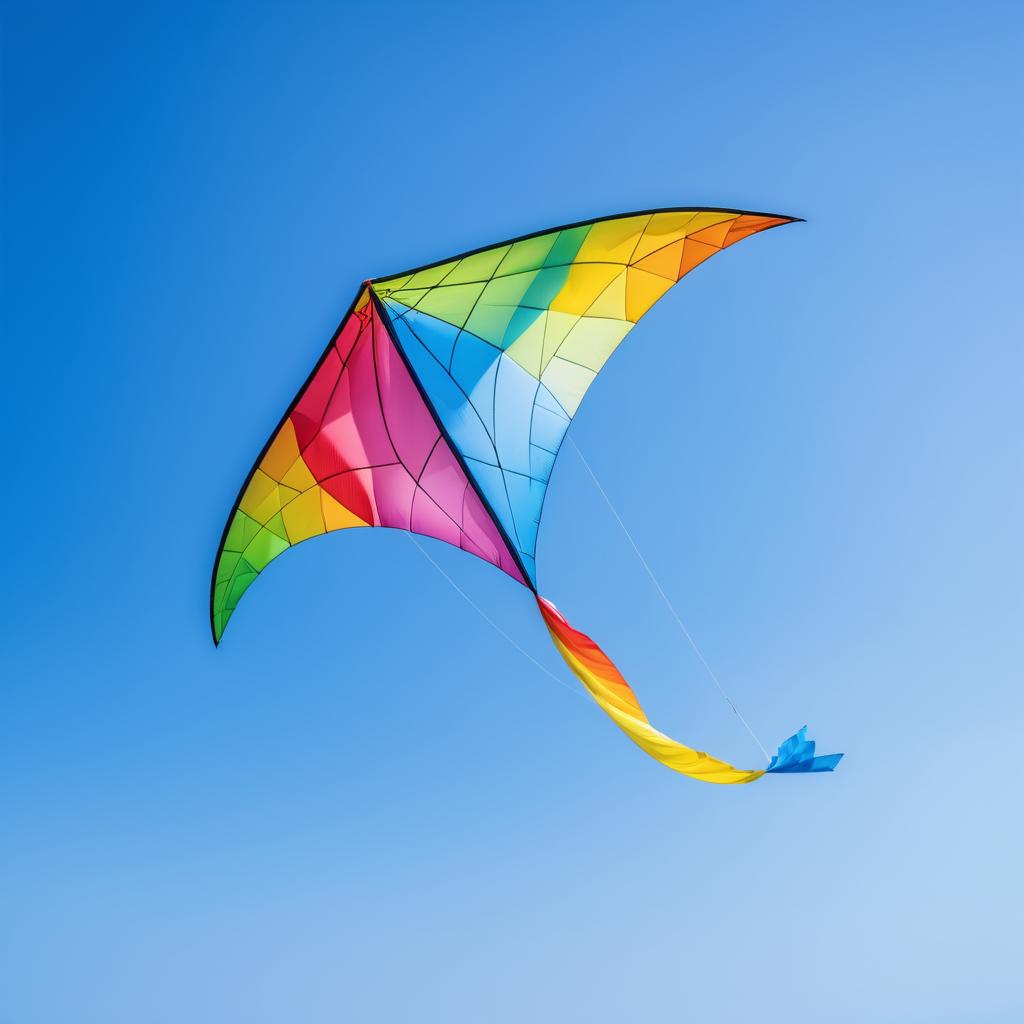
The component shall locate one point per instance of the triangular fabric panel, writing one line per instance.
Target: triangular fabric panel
(505, 342)
(358, 448)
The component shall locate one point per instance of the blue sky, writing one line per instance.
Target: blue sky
(366, 806)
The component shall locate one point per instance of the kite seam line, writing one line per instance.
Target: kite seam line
(668, 603)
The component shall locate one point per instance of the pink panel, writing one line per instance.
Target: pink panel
(479, 527)
(444, 480)
(394, 490)
(429, 520)
(355, 405)
(413, 430)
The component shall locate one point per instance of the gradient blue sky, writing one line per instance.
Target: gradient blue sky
(366, 806)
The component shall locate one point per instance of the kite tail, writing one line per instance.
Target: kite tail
(616, 698)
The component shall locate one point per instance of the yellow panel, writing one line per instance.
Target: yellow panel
(707, 219)
(528, 349)
(642, 291)
(612, 241)
(303, 517)
(558, 326)
(299, 476)
(592, 341)
(666, 228)
(568, 383)
(336, 516)
(260, 500)
(663, 229)
(612, 301)
(585, 282)
(285, 494)
(283, 451)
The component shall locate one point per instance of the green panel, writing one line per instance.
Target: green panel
(263, 548)
(490, 323)
(478, 267)
(243, 529)
(432, 276)
(451, 303)
(276, 526)
(566, 246)
(239, 585)
(529, 254)
(226, 564)
(407, 296)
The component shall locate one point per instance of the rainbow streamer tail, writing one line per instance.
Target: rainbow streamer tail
(615, 696)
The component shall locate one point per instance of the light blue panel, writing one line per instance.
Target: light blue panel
(550, 421)
(514, 392)
(526, 497)
(541, 463)
(491, 482)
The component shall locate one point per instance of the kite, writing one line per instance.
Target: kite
(441, 403)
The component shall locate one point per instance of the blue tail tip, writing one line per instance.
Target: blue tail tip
(797, 755)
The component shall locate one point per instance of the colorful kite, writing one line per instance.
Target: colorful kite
(440, 405)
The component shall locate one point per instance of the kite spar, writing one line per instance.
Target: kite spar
(441, 403)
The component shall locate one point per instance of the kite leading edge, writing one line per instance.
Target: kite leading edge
(441, 403)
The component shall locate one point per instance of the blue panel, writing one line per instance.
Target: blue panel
(514, 392)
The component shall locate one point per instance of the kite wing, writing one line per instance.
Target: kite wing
(442, 400)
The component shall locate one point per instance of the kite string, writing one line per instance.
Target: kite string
(668, 603)
(522, 650)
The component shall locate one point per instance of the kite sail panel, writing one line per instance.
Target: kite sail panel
(441, 403)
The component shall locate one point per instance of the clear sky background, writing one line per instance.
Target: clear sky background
(366, 806)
